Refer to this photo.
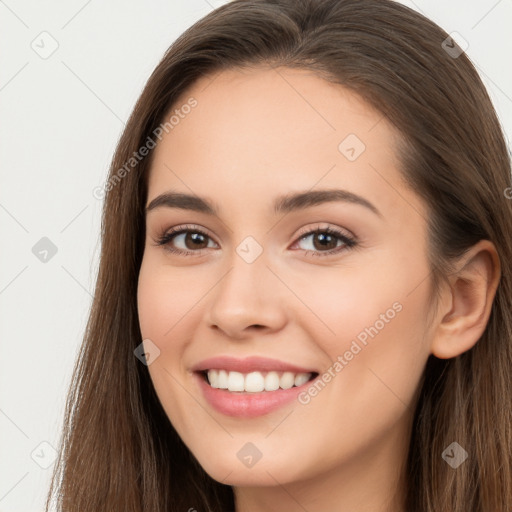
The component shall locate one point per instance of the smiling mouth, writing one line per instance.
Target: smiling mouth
(255, 382)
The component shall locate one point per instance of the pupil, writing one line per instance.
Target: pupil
(197, 239)
(323, 237)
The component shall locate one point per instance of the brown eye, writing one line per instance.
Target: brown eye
(185, 241)
(326, 241)
(195, 240)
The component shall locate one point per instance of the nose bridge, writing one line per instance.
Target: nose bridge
(247, 295)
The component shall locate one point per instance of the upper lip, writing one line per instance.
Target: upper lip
(248, 364)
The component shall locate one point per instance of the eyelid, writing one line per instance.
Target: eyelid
(325, 226)
(180, 228)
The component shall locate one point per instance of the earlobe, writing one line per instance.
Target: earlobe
(470, 296)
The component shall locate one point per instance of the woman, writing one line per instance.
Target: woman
(304, 295)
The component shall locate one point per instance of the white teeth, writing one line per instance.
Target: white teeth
(236, 381)
(213, 377)
(301, 378)
(287, 379)
(218, 379)
(271, 381)
(255, 382)
(222, 379)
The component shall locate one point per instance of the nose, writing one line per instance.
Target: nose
(247, 300)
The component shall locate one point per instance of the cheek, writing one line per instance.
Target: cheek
(373, 325)
(157, 313)
(169, 310)
(378, 353)
(165, 299)
(362, 300)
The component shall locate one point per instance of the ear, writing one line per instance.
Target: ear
(467, 301)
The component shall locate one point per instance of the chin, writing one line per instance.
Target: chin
(263, 473)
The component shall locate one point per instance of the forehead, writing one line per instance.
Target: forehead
(260, 130)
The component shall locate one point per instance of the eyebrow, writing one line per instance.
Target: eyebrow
(283, 204)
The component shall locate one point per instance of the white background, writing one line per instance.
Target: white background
(60, 120)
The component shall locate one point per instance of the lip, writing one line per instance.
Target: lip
(249, 364)
(246, 404)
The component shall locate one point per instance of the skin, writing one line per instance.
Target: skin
(256, 134)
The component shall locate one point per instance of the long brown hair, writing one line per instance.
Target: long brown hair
(119, 451)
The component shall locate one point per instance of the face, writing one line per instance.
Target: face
(300, 260)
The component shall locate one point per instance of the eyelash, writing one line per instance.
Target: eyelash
(164, 240)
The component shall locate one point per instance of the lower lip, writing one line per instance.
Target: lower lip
(248, 405)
